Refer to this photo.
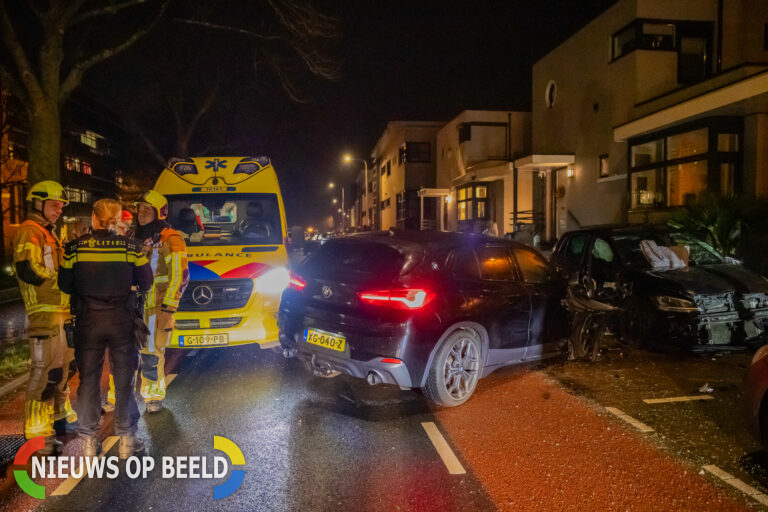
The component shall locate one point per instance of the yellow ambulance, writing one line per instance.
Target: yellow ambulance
(231, 214)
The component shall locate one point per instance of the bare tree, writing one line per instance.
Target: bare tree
(13, 171)
(203, 60)
(47, 47)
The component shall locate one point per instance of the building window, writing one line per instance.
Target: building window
(400, 206)
(676, 168)
(418, 152)
(385, 204)
(473, 202)
(78, 195)
(692, 40)
(72, 164)
(87, 169)
(389, 168)
(605, 168)
(765, 38)
(550, 94)
(465, 132)
(401, 155)
(89, 139)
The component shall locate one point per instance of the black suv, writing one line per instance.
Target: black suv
(429, 310)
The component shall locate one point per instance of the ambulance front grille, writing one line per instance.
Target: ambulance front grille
(216, 295)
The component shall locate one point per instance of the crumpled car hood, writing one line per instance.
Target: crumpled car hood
(714, 279)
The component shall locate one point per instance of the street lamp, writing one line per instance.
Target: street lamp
(331, 184)
(348, 158)
(335, 200)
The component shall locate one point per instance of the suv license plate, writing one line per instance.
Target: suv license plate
(325, 339)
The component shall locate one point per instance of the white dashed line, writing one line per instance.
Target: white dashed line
(738, 484)
(67, 485)
(678, 399)
(642, 427)
(441, 445)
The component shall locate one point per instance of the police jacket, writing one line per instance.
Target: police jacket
(37, 254)
(102, 266)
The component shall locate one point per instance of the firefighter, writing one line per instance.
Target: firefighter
(103, 271)
(167, 253)
(37, 256)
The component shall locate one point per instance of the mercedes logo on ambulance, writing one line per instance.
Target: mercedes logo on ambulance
(202, 295)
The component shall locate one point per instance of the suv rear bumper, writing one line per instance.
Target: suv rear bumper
(324, 363)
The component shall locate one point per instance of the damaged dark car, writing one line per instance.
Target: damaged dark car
(676, 292)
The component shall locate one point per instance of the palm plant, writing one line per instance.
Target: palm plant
(721, 221)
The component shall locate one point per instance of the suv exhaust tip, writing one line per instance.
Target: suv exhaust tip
(373, 378)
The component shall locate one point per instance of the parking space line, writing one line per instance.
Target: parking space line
(737, 483)
(677, 399)
(67, 485)
(642, 427)
(441, 445)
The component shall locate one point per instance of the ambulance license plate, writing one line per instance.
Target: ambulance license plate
(203, 339)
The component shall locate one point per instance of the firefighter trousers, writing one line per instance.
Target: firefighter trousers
(47, 395)
(160, 324)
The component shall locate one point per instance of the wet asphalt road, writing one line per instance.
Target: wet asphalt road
(309, 444)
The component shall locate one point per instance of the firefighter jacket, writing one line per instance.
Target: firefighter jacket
(37, 255)
(102, 267)
(167, 254)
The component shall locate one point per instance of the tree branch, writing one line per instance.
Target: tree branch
(26, 73)
(109, 10)
(229, 28)
(192, 126)
(8, 81)
(151, 147)
(76, 73)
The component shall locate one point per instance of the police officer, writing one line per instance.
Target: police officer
(99, 270)
(167, 252)
(37, 255)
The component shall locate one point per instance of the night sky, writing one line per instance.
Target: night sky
(401, 60)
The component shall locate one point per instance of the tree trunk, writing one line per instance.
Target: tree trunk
(44, 143)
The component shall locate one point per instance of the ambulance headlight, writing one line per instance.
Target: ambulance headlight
(273, 282)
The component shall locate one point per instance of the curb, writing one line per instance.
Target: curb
(14, 385)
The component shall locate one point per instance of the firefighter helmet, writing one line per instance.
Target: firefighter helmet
(46, 190)
(157, 201)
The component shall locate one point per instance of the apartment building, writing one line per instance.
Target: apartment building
(647, 107)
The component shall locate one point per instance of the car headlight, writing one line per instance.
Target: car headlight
(273, 282)
(669, 303)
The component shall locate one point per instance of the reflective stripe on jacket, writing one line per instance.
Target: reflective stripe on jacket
(168, 258)
(35, 244)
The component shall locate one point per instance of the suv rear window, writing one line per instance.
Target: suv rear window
(343, 257)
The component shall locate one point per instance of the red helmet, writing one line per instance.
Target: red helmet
(126, 217)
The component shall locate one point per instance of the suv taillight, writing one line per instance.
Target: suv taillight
(296, 282)
(402, 298)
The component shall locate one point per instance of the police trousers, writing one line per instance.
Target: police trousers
(95, 331)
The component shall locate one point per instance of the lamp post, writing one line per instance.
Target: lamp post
(348, 158)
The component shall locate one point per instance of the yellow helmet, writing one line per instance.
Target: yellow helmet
(46, 190)
(157, 201)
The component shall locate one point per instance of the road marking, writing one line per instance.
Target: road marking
(642, 427)
(169, 379)
(441, 445)
(738, 484)
(678, 399)
(67, 485)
